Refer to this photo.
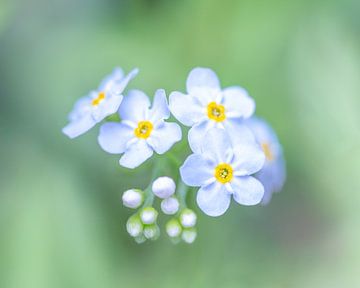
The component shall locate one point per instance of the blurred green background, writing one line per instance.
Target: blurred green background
(61, 219)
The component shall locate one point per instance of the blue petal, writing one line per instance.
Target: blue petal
(272, 176)
(197, 134)
(109, 106)
(247, 190)
(135, 106)
(217, 145)
(81, 108)
(108, 82)
(160, 109)
(186, 109)
(248, 159)
(238, 103)
(202, 77)
(213, 199)
(79, 126)
(197, 170)
(113, 137)
(115, 83)
(239, 132)
(265, 134)
(165, 136)
(120, 87)
(136, 154)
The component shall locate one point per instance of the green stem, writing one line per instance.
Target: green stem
(174, 159)
(149, 195)
(182, 193)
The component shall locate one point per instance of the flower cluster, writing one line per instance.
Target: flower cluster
(143, 224)
(235, 155)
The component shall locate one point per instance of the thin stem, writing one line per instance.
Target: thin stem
(149, 195)
(174, 159)
(182, 193)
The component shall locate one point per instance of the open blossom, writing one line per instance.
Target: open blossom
(98, 104)
(273, 174)
(142, 130)
(206, 106)
(222, 171)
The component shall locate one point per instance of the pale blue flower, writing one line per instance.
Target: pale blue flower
(273, 174)
(142, 130)
(206, 106)
(98, 104)
(222, 171)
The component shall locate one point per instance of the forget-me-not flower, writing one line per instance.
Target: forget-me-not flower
(142, 130)
(98, 104)
(222, 171)
(206, 106)
(273, 174)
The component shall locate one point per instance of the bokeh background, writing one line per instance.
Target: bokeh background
(61, 219)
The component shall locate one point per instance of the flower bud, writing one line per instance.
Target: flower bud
(187, 218)
(134, 226)
(189, 235)
(133, 198)
(148, 215)
(173, 228)
(170, 205)
(152, 232)
(140, 239)
(163, 187)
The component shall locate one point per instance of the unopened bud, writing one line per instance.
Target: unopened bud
(148, 215)
(189, 235)
(134, 226)
(140, 239)
(188, 218)
(170, 205)
(133, 198)
(173, 228)
(152, 232)
(163, 187)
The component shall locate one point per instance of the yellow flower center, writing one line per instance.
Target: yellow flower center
(223, 173)
(96, 101)
(144, 129)
(216, 112)
(267, 151)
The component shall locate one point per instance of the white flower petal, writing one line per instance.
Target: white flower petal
(81, 108)
(248, 159)
(238, 103)
(247, 190)
(186, 109)
(79, 126)
(120, 87)
(160, 109)
(108, 82)
(112, 105)
(197, 170)
(239, 132)
(136, 154)
(135, 106)
(264, 134)
(113, 137)
(202, 77)
(213, 199)
(164, 136)
(217, 144)
(197, 134)
(205, 96)
(108, 106)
